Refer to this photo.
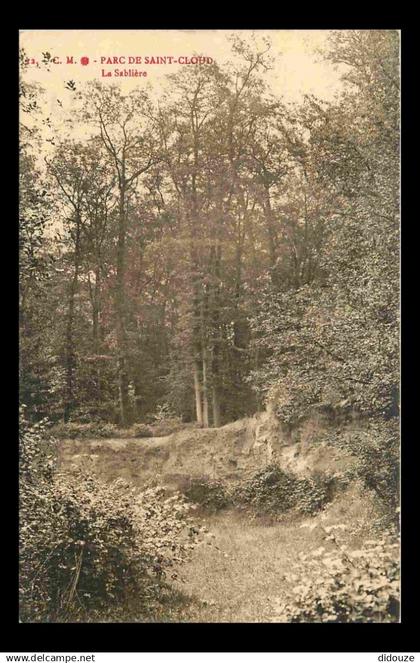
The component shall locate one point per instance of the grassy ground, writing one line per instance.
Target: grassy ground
(239, 575)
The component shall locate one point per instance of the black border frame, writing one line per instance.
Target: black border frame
(223, 637)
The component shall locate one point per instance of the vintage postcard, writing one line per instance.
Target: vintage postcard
(209, 326)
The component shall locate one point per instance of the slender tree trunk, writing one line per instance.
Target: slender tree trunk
(268, 213)
(138, 393)
(70, 350)
(204, 306)
(239, 322)
(196, 331)
(201, 404)
(121, 310)
(215, 367)
(197, 393)
(216, 372)
(125, 413)
(96, 332)
(197, 361)
(96, 311)
(205, 390)
(216, 407)
(197, 357)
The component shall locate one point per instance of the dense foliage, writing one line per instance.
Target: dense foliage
(342, 585)
(272, 490)
(331, 335)
(85, 544)
(268, 491)
(376, 449)
(250, 250)
(212, 495)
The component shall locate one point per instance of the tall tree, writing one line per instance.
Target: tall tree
(122, 123)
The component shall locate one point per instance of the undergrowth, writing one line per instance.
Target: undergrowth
(75, 430)
(343, 585)
(211, 495)
(86, 545)
(269, 491)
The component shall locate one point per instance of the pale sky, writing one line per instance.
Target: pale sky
(297, 67)
(297, 70)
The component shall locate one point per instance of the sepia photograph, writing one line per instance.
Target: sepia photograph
(209, 326)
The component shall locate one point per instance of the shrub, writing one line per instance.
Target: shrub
(272, 490)
(85, 544)
(75, 430)
(99, 413)
(311, 495)
(165, 421)
(101, 429)
(163, 413)
(211, 495)
(376, 450)
(345, 586)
